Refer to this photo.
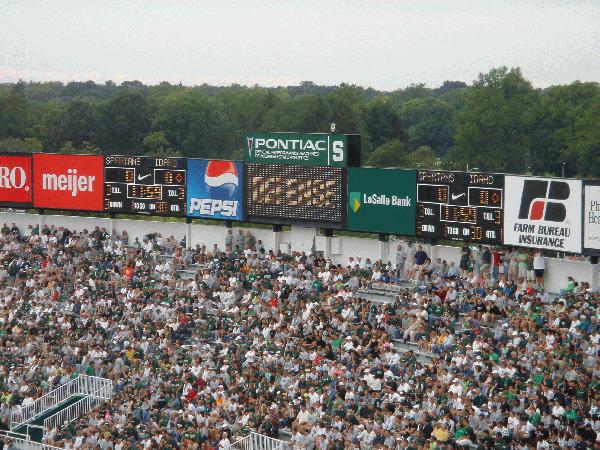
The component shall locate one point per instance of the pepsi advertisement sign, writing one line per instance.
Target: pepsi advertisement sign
(214, 189)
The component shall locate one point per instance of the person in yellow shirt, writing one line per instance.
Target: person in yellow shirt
(440, 432)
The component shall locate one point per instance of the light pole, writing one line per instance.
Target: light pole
(563, 169)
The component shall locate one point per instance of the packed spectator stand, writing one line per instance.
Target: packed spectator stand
(205, 345)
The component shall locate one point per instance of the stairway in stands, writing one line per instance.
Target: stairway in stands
(57, 408)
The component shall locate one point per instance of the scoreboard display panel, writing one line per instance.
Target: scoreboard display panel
(296, 194)
(460, 205)
(145, 185)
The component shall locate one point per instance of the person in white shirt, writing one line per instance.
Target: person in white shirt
(539, 267)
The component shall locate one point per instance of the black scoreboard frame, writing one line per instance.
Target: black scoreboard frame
(293, 214)
(456, 206)
(143, 185)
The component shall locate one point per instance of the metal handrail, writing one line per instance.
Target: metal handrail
(78, 408)
(82, 385)
(257, 441)
(23, 442)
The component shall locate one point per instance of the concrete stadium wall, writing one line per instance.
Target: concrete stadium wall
(298, 239)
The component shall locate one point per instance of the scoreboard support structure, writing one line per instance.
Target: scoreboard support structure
(40, 221)
(188, 233)
(383, 247)
(276, 237)
(111, 223)
(328, 233)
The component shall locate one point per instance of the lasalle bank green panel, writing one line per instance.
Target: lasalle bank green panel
(382, 200)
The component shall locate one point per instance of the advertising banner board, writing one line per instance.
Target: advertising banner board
(460, 205)
(215, 189)
(591, 218)
(296, 194)
(543, 213)
(381, 200)
(303, 149)
(68, 182)
(15, 181)
(145, 185)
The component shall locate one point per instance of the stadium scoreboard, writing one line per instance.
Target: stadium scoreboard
(145, 185)
(296, 194)
(460, 205)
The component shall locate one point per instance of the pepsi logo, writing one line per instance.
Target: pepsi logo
(221, 179)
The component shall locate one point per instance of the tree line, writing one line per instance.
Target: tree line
(498, 123)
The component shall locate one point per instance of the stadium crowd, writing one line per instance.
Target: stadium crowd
(470, 353)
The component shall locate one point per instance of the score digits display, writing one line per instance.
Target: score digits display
(145, 185)
(460, 205)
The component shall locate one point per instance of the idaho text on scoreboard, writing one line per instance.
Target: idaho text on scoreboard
(145, 185)
(460, 205)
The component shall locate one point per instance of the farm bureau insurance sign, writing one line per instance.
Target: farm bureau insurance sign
(543, 213)
(381, 200)
(300, 149)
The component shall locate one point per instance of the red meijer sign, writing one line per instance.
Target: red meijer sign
(73, 182)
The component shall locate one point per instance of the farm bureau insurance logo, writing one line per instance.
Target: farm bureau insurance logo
(548, 215)
(69, 182)
(217, 194)
(15, 179)
(544, 200)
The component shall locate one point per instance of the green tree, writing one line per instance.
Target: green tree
(85, 148)
(391, 154)
(157, 144)
(14, 113)
(75, 122)
(494, 129)
(195, 125)
(124, 121)
(306, 113)
(430, 122)
(582, 150)
(16, 145)
(423, 158)
(383, 121)
(555, 117)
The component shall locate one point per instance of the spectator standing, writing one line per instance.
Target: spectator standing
(240, 240)
(539, 267)
(229, 240)
(400, 261)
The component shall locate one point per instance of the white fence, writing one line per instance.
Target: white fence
(257, 441)
(22, 442)
(82, 385)
(80, 407)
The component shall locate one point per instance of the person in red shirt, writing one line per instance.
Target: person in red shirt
(496, 262)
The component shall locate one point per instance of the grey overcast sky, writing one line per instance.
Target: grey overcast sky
(385, 44)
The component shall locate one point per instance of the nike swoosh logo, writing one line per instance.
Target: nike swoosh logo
(140, 178)
(454, 197)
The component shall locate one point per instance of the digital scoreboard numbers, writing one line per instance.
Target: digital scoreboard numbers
(145, 185)
(296, 194)
(460, 205)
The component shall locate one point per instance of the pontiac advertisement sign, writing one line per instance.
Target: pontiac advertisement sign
(300, 149)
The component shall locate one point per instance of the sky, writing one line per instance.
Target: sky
(384, 44)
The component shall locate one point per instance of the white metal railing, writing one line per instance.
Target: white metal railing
(82, 385)
(77, 409)
(257, 441)
(22, 441)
